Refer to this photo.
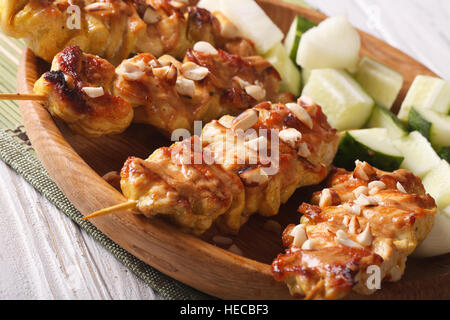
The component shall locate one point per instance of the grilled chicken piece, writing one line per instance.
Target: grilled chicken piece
(114, 29)
(95, 99)
(191, 195)
(302, 159)
(209, 84)
(79, 89)
(254, 174)
(365, 218)
(109, 29)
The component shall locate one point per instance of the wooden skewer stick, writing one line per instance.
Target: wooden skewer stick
(317, 288)
(114, 209)
(20, 96)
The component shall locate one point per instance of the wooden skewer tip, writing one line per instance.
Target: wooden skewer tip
(114, 209)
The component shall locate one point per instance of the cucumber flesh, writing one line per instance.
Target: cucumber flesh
(253, 23)
(437, 184)
(298, 27)
(290, 74)
(420, 157)
(426, 93)
(210, 5)
(332, 44)
(381, 82)
(306, 74)
(342, 99)
(383, 118)
(438, 240)
(371, 145)
(434, 126)
(446, 211)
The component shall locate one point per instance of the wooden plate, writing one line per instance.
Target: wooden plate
(76, 164)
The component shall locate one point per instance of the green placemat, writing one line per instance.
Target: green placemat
(16, 151)
(26, 164)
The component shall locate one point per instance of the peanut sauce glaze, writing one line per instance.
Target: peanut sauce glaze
(116, 29)
(151, 98)
(397, 222)
(84, 71)
(222, 185)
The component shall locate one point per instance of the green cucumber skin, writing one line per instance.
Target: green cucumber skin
(444, 153)
(395, 121)
(417, 123)
(351, 150)
(303, 25)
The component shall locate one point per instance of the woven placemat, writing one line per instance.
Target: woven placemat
(16, 152)
(25, 163)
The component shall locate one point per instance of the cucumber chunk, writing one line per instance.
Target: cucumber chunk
(306, 74)
(371, 145)
(210, 5)
(298, 27)
(332, 44)
(420, 157)
(437, 184)
(289, 72)
(383, 118)
(434, 126)
(253, 23)
(381, 82)
(438, 241)
(418, 123)
(343, 100)
(426, 93)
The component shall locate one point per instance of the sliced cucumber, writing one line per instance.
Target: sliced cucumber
(446, 211)
(381, 82)
(289, 72)
(426, 93)
(383, 118)
(417, 122)
(298, 27)
(420, 157)
(353, 70)
(434, 126)
(444, 153)
(343, 100)
(210, 5)
(371, 145)
(438, 241)
(306, 73)
(437, 184)
(332, 44)
(253, 23)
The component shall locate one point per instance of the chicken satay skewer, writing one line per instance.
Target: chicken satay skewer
(23, 96)
(365, 219)
(115, 29)
(121, 207)
(96, 99)
(229, 191)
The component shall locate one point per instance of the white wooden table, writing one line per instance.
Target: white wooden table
(44, 255)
